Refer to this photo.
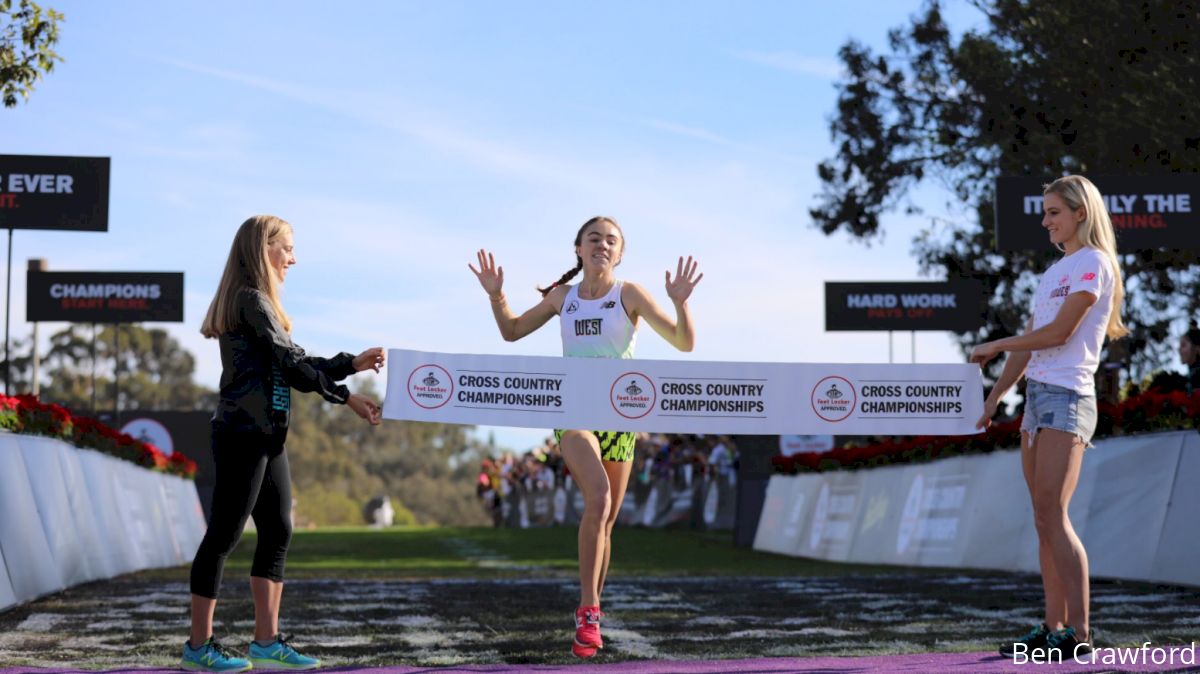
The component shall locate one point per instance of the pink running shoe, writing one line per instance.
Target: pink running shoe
(582, 651)
(587, 628)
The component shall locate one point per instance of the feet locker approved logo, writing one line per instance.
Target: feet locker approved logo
(834, 398)
(430, 386)
(633, 395)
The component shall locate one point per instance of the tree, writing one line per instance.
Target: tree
(336, 460)
(1045, 88)
(27, 39)
(156, 372)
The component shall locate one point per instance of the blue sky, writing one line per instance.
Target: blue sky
(398, 138)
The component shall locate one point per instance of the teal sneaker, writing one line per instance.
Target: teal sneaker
(212, 657)
(1068, 643)
(280, 655)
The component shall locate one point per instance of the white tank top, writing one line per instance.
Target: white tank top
(597, 328)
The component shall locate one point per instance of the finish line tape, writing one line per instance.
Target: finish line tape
(672, 396)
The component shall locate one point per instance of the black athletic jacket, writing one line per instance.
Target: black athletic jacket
(259, 367)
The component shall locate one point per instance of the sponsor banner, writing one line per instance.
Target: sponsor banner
(43, 192)
(783, 516)
(44, 460)
(1147, 212)
(27, 554)
(1124, 476)
(683, 396)
(830, 533)
(58, 501)
(7, 596)
(188, 431)
(99, 474)
(104, 297)
(1175, 563)
(974, 512)
(909, 305)
(150, 431)
(795, 444)
(92, 540)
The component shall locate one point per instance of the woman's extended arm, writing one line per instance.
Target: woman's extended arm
(513, 327)
(1055, 333)
(679, 332)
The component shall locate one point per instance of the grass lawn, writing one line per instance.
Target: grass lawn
(481, 554)
(436, 597)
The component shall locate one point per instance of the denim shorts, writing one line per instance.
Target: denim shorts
(1050, 406)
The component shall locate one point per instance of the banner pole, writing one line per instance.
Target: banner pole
(36, 264)
(93, 369)
(116, 371)
(7, 302)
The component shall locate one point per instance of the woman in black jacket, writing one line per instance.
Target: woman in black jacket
(260, 365)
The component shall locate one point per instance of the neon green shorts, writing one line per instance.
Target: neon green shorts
(614, 445)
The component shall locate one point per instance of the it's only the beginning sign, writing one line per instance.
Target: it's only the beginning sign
(1148, 212)
(683, 396)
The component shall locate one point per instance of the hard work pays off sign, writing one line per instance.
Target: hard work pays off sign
(956, 306)
(104, 297)
(41, 192)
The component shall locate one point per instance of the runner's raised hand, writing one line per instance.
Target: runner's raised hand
(490, 276)
(685, 280)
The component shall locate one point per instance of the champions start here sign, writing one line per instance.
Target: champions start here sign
(104, 297)
(683, 396)
(45, 192)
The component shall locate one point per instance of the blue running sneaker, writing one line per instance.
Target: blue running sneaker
(280, 655)
(211, 657)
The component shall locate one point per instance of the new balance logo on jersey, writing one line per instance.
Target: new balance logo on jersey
(588, 326)
(609, 304)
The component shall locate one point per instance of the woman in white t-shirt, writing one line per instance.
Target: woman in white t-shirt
(599, 319)
(1077, 304)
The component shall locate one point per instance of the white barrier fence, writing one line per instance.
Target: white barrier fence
(1134, 509)
(70, 515)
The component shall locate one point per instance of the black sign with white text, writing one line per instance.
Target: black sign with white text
(1147, 212)
(44, 192)
(104, 297)
(910, 305)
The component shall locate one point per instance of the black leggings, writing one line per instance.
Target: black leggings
(252, 478)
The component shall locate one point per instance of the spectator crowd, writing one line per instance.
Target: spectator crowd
(681, 458)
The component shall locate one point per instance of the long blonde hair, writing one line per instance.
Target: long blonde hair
(1096, 231)
(247, 267)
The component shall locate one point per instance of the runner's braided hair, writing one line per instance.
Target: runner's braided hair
(570, 274)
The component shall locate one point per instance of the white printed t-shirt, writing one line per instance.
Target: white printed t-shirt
(1073, 365)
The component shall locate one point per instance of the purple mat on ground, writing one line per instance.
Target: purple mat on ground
(973, 663)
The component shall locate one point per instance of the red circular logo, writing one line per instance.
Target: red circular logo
(834, 398)
(632, 395)
(430, 386)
